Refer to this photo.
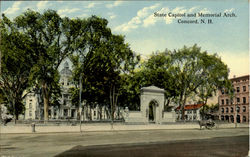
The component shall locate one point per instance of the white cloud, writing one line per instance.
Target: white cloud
(132, 24)
(91, 5)
(151, 20)
(115, 4)
(191, 10)
(180, 10)
(83, 15)
(42, 5)
(205, 11)
(147, 10)
(229, 10)
(15, 7)
(137, 20)
(145, 17)
(62, 12)
(112, 15)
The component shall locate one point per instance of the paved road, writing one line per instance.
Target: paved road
(236, 146)
(51, 144)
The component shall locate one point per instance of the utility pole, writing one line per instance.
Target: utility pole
(236, 114)
(80, 97)
(235, 118)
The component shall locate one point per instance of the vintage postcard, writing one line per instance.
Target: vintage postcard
(124, 78)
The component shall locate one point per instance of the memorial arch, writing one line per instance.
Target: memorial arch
(151, 108)
(152, 103)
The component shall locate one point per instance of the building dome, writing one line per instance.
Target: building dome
(66, 70)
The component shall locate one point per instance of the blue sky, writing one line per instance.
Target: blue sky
(228, 37)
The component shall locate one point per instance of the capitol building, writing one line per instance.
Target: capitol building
(66, 110)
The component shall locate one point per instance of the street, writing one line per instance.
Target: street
(192, 142)
(236, 146)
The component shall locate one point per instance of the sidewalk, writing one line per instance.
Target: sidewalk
(104, 127)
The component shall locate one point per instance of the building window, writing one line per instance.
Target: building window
(190, 117)
(222, 110)
(244, 119)
(30, 106)
(244, 109)
(194, 111)
(227, 110)
(227, 118)
(65, 112)
(238, 109)
(94, 113)
(232, 101)
(222, 101)
(227, 101)
(222, 91)
(238, 100)
(238, 89)
(222, 117)
(244, 88)
(232, 109)
(244, 100)
(232, 118)
(30, 113)
(194, 117)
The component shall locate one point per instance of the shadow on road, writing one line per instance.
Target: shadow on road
(236, 146)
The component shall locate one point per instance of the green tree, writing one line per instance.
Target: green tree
(17, 58)
(215, 74)
(52, 40)
(197, 72)
(105, 57)
(158, 71)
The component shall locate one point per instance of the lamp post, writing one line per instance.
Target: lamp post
(80, 97)
(235, 119)
(236, 113)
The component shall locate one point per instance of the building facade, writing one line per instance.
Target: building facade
(66, 110)
(192, 112)
(32, 107)
(34, 104)
(235, 109)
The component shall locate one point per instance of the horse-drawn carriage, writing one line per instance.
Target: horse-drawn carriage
(208, 124)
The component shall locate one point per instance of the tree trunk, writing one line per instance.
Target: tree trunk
(45, 101)
(111, 106)
(183, 108)
(183, 103)
(14, 108)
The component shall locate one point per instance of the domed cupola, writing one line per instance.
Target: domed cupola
(66, 70)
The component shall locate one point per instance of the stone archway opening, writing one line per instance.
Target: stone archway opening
(152, 111)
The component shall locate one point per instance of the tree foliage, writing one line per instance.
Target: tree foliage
(198, 72)
(52, 39)
(105, 57)
(17, 58)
